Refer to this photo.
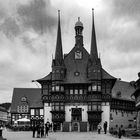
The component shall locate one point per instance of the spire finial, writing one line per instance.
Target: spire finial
(78, 18)
(93, 50)
(58, 51)
(59, 15)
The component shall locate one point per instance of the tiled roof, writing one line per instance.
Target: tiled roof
(46, 78)
(122, 90)
(33, 96)
(3, 109)
(106, 75)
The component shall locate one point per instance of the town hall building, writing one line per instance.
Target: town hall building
(77, 94)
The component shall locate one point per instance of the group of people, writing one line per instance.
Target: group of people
(38, 129)
(119, 133)
(99, 127)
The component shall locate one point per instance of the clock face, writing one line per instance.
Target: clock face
(78, 55)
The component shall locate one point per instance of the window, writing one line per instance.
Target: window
(76, 91)
(23, 109)
(89, 88)
(62, 88)
(53, 88)
(71, 91)
(32, 111)
(56, 88)
(95, 106)
(58, 106)
(23, 99)
(80, 91)
(37, 112)
(99, 85)
(94, 88)
(76, 73)
(57, 71)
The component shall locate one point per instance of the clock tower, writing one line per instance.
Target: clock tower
(78, 33)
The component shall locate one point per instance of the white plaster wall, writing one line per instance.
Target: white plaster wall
(84, 113)
(68, 112)
(47, 113)
(106, 114)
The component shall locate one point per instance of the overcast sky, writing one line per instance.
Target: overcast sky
(28, 37)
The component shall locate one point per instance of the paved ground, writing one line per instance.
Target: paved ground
(59, 136)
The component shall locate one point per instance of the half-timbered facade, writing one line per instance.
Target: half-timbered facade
(136, 94)
(77, 92)
(27, 103)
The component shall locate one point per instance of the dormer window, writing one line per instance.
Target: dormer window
(23, 99)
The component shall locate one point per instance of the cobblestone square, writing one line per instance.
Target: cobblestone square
(22, 135)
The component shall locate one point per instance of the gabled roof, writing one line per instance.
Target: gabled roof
(33, 96)
(76, 65)
(124, 89)
(106, 75)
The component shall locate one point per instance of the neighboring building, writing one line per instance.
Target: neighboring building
(78, 93)
(27, 103)
(136, 94)
(3, 115)
(7, 106)
(123, 111)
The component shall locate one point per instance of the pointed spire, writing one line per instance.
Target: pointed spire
(59, 51)
(93, 49)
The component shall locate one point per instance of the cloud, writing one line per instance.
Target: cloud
(38, 14)
(10, 28)
(129, 8)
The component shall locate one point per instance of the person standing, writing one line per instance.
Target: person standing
(42, 130)
(99, 128)
(47, 128)
(34, 129)
(105, 127)
(38, 130)
(120, 133)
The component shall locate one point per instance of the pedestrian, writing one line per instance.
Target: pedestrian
(47, 128)
(120, 133)
(38, 130)
(99, 128)
(42, 130)
(54, 127)
(50, 126)
(105, 127)
(34, 130)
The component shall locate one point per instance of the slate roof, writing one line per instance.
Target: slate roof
(73, 66)
(106, 75)
(46, 78)
(3, 109)
(33, 96)
(124, 88)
